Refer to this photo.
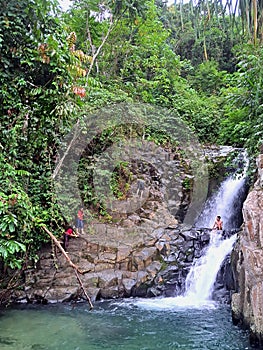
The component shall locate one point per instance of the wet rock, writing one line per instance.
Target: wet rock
(247, 262)
(128, 284)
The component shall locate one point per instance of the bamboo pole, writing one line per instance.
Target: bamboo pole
(76, 269)
(83, 289)
(255, 21)
(60, 163)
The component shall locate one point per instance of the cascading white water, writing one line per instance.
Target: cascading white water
(202, 275)
(200, 280)
(224, 200)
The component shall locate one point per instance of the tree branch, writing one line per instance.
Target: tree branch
(76, 269)
(60, 163)
(94, 57)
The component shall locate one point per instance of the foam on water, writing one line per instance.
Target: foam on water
(175, 303)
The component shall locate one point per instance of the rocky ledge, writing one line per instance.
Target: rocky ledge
(144, 251)
(142, 267)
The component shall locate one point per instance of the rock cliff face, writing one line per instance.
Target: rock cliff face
(144, 252)
(247, 301)
(153, 266)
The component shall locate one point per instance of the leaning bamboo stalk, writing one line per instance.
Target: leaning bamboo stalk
(94, 57)
(83, 289)
(76, 269)
(60, 163)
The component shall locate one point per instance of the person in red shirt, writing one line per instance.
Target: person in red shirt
(69, 232)
(80, 223)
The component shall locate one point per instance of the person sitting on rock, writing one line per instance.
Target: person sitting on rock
(218, 225)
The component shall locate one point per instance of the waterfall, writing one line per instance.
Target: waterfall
(202, 275)
(227, 201)
(200, 280)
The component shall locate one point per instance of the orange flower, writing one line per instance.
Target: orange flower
(80, 91)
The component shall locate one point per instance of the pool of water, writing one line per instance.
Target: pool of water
(132, 324)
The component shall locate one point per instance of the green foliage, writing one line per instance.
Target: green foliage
(200, 112)
(120, 180)
(34, 85)
(207, 78)
(152, 65)
(242, 124)
(10, 251)
(139, 64)
(200, 30)
(15, 215)
(54, 67)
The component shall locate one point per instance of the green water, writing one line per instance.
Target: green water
(128, 324)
